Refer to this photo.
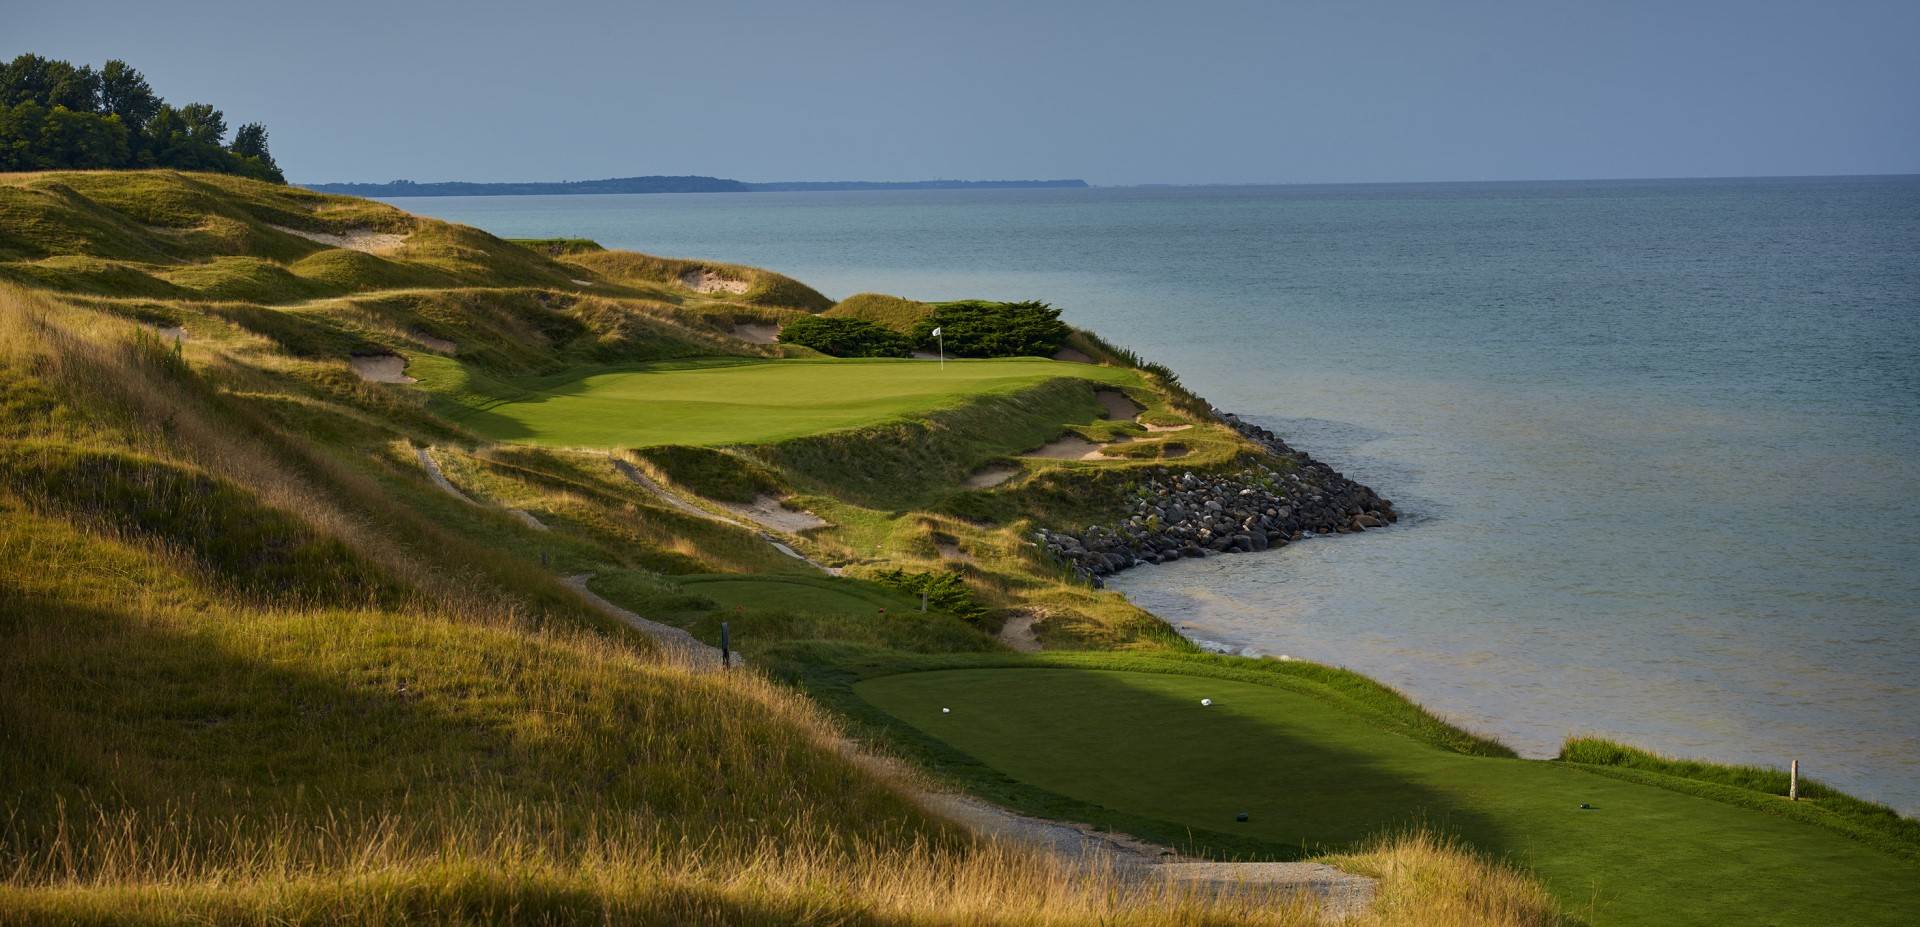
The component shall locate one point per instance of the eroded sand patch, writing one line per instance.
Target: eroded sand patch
(361, 239)
(437, 344)
(949, 548)
(702, 280)
(381, 368)
(767, 512)
(990, 476)
(1017, 633)
(1072, 356)
(757, 332)
(1118, 405)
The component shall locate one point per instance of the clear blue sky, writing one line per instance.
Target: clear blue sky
(1115, 92)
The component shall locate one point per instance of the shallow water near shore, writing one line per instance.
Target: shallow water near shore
(1658, 442)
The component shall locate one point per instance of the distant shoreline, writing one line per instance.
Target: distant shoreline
(661, 184)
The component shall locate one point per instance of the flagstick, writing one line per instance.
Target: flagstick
(943, 350)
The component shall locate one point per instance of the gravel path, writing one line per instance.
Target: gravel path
(440, 479)
(678, 644)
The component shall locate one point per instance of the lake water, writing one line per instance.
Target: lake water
(1658, 442)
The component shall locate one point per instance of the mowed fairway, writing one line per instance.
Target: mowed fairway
(1308, 772)
(800, 593)
(729, 402)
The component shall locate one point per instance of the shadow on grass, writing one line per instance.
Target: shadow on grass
(1136, 752)
(308, 730)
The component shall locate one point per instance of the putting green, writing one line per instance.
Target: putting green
(726, 402)
(1308, 772)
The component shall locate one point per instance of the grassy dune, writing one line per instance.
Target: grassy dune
(893, 312)
(261, 669)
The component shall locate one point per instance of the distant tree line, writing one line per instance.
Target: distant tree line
(56, 116)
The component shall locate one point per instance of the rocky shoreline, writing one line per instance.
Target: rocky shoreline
(1180, 514)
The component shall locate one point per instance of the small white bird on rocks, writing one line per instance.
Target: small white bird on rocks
(1205, 702)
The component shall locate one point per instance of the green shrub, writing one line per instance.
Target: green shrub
(976, 328)
(845, 338)
(944, 591)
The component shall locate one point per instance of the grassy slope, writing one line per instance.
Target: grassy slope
(336, 456)
(896, 313)
(1141, 745)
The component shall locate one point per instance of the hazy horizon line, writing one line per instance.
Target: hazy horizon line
(1156, 184)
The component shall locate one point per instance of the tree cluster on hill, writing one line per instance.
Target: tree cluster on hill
(845, 337)
(977, 328)
(58, 116)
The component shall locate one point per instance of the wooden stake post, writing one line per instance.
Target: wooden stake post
(1793, 781)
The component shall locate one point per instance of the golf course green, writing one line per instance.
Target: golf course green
(721, 402)
(1313, 776)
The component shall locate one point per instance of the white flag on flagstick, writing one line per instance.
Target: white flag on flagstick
(936, 332)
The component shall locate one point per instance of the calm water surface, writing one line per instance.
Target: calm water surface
(1657, 440)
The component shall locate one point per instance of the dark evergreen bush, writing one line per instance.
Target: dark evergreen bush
(845, 337)
(976, 328)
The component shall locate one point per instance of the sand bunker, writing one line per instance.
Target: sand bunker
(381, 368)
(1152, 427)
(703, 280)
(767, 512)
(1067, 447)
(986, 477)
(1069, 354)
(366, 240)
(1117, 405)
(757, 332)
(437, 344)
(579, 282)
